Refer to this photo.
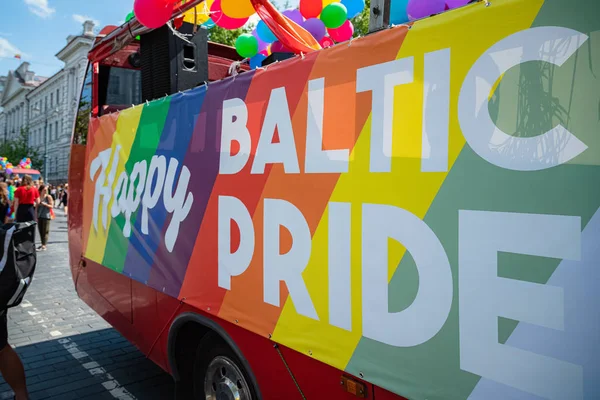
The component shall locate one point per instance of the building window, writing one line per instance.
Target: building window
(57, 96)
(51, 100)
(56, 130)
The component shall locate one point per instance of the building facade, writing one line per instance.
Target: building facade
(47, 106)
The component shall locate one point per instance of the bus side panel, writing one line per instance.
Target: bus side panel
(75, 217)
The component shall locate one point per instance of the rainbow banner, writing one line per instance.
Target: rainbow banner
(419, 207)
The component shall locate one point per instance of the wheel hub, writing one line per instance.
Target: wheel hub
(225, 381)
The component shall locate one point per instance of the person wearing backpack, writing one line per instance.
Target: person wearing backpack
(44, 215)
(11, 366)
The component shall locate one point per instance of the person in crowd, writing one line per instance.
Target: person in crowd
(11, 366)
(65, 198)
(44, 216)
(59, 196)
(53, 192)
(26, 198)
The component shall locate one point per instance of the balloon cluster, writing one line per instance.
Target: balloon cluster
(403, 11)
(327, 21)
(6, 165)
(25, 163)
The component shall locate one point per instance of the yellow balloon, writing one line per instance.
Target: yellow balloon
(199, 14)
(328, 2)
(237, 8)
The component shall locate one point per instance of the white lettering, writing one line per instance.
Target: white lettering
(483, 297)
(549, 44)
(277, 119)
(231, 209)
(178, 204)
(428, 312)
(318, 160)
(381, 79)
(235, 118)
(340, 300)
(286, 267)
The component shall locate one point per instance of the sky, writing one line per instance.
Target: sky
(38, 29)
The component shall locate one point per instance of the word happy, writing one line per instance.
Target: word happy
(136, 189)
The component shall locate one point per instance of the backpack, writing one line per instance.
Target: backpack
(17, 262)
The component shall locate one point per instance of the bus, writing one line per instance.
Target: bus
(410, 214)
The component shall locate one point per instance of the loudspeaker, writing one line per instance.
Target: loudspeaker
(170, 64)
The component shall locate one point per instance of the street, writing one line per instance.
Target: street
(68, 351)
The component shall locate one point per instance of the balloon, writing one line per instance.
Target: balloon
(326, 42)
(199, 14)
(294, 15)
(398, 13)
(417, 9)
(130, 16)
(222, 20)
(153, 13)
(311, 8)
(315, 27)
(342, 33)
(209, 24)
(256, 61)
(456, 3)
(261, 44)
(278, 47)
(354, 7)
(237, 8)
(9, 171)
(264, 33)
(334, 15)
(246, 45)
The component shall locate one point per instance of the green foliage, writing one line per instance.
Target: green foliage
(227, 36)
(361, 21)
(15, 150)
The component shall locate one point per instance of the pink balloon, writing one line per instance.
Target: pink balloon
(326, 42)
(417, 9)
(153, 13)
(456, 3)
(342, 33)
(222, 20)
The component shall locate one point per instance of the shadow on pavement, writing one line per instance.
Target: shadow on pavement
(95, 365)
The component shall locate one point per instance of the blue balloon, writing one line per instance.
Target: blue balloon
(256, 61)
(264, 33)
(398, 13)
(354, 7)
(209, 24)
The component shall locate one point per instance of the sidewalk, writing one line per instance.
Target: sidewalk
(69, 352)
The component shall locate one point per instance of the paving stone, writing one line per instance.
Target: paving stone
(69, 352)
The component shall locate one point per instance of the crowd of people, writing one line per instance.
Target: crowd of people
(23, 200)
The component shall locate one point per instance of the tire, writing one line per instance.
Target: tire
(219, 373)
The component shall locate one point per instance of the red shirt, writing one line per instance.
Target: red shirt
(27, 196)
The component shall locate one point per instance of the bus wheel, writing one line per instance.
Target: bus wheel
(218, 373)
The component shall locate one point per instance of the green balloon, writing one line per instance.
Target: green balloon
(246, 45)
(334, 15)
(129, 16)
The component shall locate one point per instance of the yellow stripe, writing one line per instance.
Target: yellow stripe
(468, 32)
(124, 136)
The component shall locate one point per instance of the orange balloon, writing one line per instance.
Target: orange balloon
(237, 8)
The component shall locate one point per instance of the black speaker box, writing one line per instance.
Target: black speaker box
(170, 64)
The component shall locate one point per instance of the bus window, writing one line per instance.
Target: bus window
(82, 119)
(118, 88)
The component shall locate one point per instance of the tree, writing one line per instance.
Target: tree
(227, 36)
(361, 21)
(17, 149)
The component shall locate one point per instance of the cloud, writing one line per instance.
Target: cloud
(82, 18)
(7, 49)
(40, 8)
